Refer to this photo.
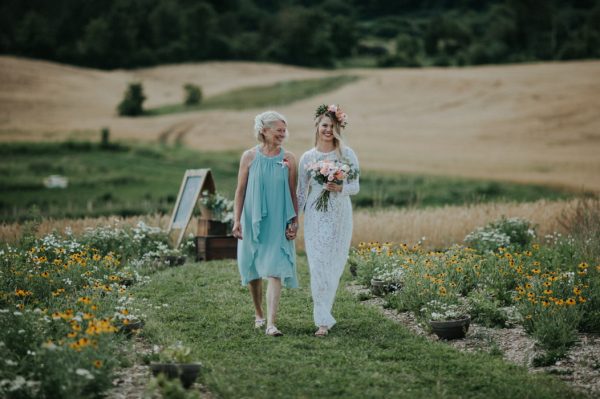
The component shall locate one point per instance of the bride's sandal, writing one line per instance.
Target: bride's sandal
(259, 323)
(273, 332)
(322, 332)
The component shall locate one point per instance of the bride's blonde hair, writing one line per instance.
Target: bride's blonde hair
(338, 142)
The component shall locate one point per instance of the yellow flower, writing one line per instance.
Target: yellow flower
(545, 304)
(84, 299)
(582, 299)
(547, 284)
(559, 302)
(582, 272)
(583, 266)
(530, 295)
(536, 271)
(72, 334)
(570, 302)
(528, 286)
(98, 363)
(528, 253)
(576, 291)
(96, 257)
(459, 269)
(547, 292)
(535, 246)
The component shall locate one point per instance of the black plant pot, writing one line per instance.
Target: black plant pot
(174, 260)
(131, 328)
(451, 329)
(186, 372)
(377, 287)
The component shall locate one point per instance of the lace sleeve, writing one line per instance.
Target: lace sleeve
(303, 183)
(351, 187)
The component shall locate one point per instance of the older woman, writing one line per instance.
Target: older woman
(327, 219)
(265, 217)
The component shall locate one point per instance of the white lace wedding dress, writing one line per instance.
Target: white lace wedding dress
(327, 234)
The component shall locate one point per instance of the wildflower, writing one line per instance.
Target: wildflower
(547, 292)
(528, 286)
(570, 302)
(576, 291)
(536, 271)
(559, 302)
(545, 304)
(45, 274)
(97, 363)
(535, 246)
(547, 284)
(583, 266)
(84, 373)
(582, 299)
(84, 299)
(72, 334)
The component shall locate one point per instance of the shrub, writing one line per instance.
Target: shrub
(133, 100)
(514, 232)
(193, 94)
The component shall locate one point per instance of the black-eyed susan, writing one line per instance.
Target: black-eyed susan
(72, 334)
(582, 299)
(576, 291)
(547, 292)
(528, 286)
(98, 363)
(547, 284)
(536, 271)
(583, 266)
(559, 302)
(570, 301)
(545, 304)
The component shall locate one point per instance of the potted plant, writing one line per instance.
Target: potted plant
(447, 320)
(175, 361)
(216, 213)
(386, 281)
(173, 257)
(130, 325)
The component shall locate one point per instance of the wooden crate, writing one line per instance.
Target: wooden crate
(216, 247)
(208, 227)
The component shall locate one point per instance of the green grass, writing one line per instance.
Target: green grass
(120, 180)
(365, 355)
(280, 93)
(130, 180)
(386, 189)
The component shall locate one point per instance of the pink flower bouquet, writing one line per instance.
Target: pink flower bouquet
(329, 171)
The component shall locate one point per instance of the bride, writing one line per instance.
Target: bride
(327, 218)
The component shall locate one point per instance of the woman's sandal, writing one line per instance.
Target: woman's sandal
(322, 332)
(259, 323)
(273, 332)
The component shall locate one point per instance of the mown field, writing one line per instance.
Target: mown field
(127, 179)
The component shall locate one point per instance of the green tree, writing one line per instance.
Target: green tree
(193, 94)
(133, 100)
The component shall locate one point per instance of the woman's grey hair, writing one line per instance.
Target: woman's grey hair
(266, 119)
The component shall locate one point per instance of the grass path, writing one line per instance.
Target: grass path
(365, 355)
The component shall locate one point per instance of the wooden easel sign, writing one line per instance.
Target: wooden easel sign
(194, 182)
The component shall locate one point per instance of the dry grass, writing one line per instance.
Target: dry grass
(445, 226)
(528, 123)
(442, 227)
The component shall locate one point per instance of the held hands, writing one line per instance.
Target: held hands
(291, 230)
(333, 187)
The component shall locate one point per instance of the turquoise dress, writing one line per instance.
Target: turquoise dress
(268, 208)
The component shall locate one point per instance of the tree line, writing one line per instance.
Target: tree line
(132, 33)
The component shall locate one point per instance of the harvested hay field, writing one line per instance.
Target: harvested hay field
(535, 123)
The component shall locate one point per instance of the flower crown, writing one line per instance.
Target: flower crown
(333, 111)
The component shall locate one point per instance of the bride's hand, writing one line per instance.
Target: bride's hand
(331, 186)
